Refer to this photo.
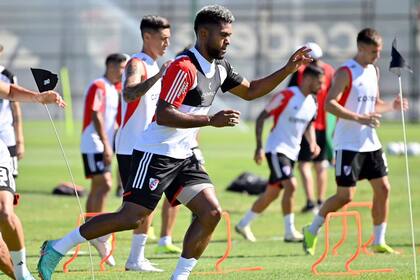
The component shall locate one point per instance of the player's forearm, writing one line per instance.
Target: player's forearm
(310, 135)
(131, 93)
(264, 86)
(99, 126)
(259, 128)
(177, 119)
(333, 107)
(18, 93)
(383, 106)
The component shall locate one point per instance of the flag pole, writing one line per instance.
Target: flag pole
(408, 180)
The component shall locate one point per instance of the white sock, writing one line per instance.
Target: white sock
(138, 243)
(19, 263)
(317, 223)
(379, 233)
(248, 218)
(289, 223)
(183, 268)
(165, 240)
(72, 239)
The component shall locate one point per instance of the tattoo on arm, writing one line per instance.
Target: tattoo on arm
(135, 86)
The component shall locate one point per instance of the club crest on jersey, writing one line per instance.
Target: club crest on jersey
(286, 170)
(347, 170)
(153, 183)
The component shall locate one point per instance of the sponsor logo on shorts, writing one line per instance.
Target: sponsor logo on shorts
(153, 183)
(347, 170)
(286, 170)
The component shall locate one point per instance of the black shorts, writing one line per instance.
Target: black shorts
(305, 152)
(94, 164)
(351, 166)
(281, 167)
(152, 175)
(124, 167)
(13, 154)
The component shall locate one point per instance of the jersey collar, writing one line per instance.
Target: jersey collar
(207, 67)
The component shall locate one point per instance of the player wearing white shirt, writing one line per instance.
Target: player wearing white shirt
(188, 89)
(293, 110)
(141, 89)
(11, 227)
(99, 124)
(11, 131)
(354, 99)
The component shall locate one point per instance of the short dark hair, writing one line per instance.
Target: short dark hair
(313, 70)
(115, 58)
(152, 23)
(213, 14)
(369, 36)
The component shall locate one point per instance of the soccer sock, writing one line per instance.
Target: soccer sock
(289, 223)
(138, 243)
(317, 223)
(72, 239)
(183, 268)
(248, 218)
(165, 240)
(379, 233)
(19, 263)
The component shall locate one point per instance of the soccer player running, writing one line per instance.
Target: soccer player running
(141, 89)
(354, 99)
(293, 110)
(96, 145)
(163, 153)
(305, 158)
(10, 226)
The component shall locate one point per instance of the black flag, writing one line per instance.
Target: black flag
(45, 80)
(397, 61)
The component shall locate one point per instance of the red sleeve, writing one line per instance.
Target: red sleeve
(95, 99)
(178, 80)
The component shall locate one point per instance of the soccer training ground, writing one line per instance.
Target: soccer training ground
(228, 152)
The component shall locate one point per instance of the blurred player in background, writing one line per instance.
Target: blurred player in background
(96, 145)
(294, 110)
(354, 98)
(305, 158)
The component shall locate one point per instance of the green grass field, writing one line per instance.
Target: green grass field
(228, 152)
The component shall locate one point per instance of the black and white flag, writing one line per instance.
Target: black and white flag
(397, 61)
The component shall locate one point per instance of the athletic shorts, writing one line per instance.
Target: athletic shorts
(152, 175)
(94, 164)
(351, 166)
(281, 167)
(7, 182)
(124, 167)
(305, 152)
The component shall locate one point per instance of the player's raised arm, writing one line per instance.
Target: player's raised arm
(257, 88)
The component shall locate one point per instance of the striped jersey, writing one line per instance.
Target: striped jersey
(7, 131)
(101, 96)
(292, 113)
(138, 114)
(359, 97)
(190, 84)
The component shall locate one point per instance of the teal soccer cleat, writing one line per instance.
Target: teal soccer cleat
(48, 261)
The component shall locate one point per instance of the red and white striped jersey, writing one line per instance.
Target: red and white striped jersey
(190, 84)
(138, 114)
(292, 113)
(101, 96)
(360, 97)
